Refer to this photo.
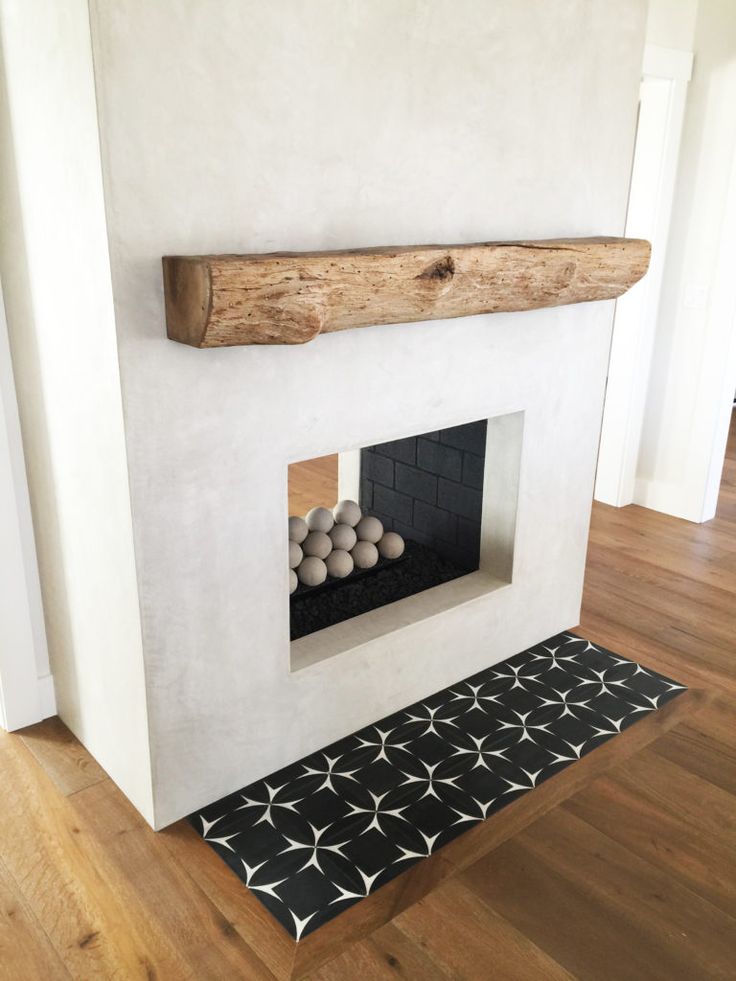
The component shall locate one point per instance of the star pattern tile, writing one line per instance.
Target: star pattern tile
(325, 832)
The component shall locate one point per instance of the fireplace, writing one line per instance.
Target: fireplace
(448, 496)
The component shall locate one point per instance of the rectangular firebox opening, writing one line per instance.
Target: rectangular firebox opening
(433, 528)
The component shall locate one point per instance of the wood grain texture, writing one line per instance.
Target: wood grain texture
(63, 758)
(625, 872)
(290, 298)
(312, 483)
(26, 953)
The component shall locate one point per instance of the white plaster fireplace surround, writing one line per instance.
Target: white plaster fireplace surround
(243, 126)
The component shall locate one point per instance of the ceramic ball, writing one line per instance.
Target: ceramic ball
(293, 581)
(347, 513)
(369, 530)
(365, 555)
(295, 555)
(312, 571)
(391, 545)
(298, 530)
(317, 543)
(343, 537)
(339, 563)
(320, 519)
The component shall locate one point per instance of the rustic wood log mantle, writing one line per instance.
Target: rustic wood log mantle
(291, 297)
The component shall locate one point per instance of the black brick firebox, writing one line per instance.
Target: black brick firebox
(429, 489)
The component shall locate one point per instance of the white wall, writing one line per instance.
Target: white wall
(247, 126)
(694, 360)
(671, 23)
(55, 270)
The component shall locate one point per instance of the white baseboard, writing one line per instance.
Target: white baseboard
(47, 696)
(669, 499)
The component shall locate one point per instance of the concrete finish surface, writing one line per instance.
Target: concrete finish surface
(242, 127)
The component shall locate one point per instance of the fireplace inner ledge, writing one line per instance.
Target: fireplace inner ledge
(452, 495)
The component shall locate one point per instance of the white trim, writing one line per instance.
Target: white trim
(722, 329)
(24, 699)
(667, 63)
(348, 475)
(47, 696)
(661, 116)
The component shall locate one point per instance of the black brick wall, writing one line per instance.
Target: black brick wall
(429, 488)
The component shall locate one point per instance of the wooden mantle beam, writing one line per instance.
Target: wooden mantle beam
(290, 297)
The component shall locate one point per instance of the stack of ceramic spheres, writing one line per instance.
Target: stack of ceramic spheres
(334, 543)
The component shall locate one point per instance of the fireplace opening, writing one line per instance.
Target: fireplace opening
(414, 523)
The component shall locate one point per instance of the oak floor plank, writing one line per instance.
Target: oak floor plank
(472, 941)
(705, 806)
(172, 913)
(600, 910)
(62, 756)
(61, 882)
(388, 954)
(313, 483)
(700, 753)
(656, 829)
(26, 954)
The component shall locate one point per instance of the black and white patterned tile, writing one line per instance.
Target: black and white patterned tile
(323, 833)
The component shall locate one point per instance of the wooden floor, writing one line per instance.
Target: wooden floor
(626, 871)
(313, 483)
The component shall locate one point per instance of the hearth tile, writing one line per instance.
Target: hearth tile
(317, 837)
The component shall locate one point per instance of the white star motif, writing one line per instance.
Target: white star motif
(429, 844)
(576, 750)
(554, 658)
(313, 846)
(479, 753)
(269, 888)
(581, 640)
(225, 841)
(300, 924)
(368, 881)
(562, 701)
(430, 779)
(382, 743)
(602, 682)
(525, 726)
(653, 703)
(514, 674)
(475, 696)
(376, 812)
(268, 805)
(430, 719)
(520, 786)
(329, 773)
(483, 808)
(616, 723)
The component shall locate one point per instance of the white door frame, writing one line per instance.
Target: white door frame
(26, 687)
(666, 73)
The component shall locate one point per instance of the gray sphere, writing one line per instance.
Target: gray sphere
(347, 513)
(320, 519)
(369, 529)
(343, 537)
(317, 543)
(391, 545)
(339, 563)
(295, 555)
(365, 555)
(293, 581)
(298, 530)
(312, 571)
